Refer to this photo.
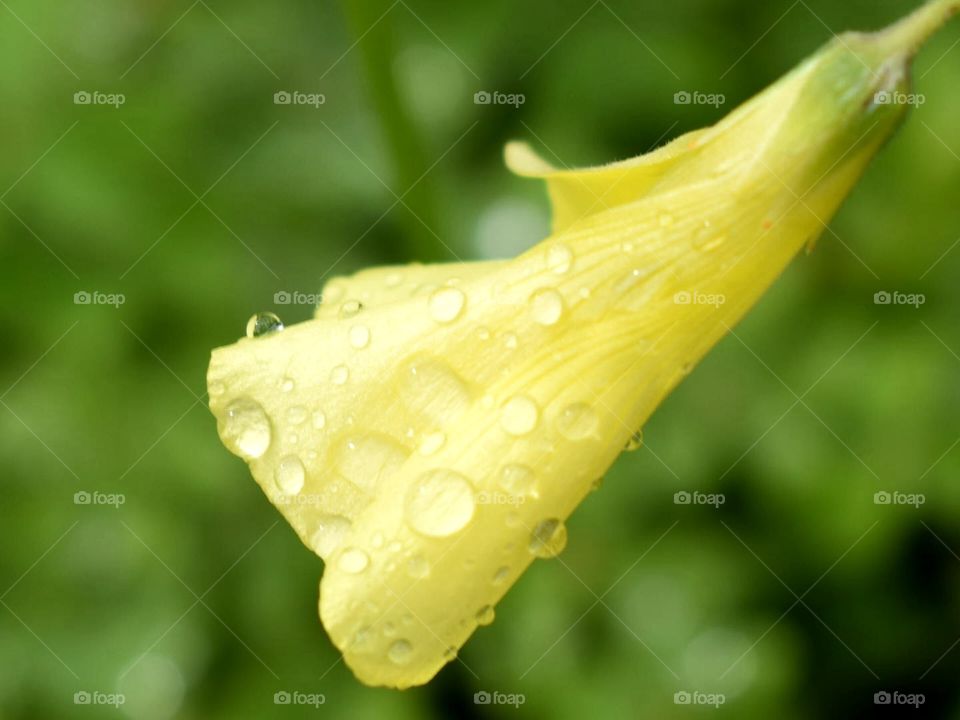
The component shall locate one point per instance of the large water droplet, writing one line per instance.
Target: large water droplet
(519, 415)
(400, 652)
(290, 475)
(431, 389)
(263, 323)
(359, 336)
(368, 460)
(246, 430)
(353, 561)
(559, 259)
(546, 306)
(577, 421)
(440, 503)
(329, 533)
(635, 442)
(446, 304)
(548, 538)
(485, 615)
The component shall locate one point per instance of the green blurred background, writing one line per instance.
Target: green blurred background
(199, 198)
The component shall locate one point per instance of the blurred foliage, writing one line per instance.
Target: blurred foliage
(199, 198)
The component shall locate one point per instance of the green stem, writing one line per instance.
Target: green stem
(909, 34)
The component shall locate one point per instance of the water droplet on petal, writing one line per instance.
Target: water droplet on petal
(350, 308)
(290, 475)
(359, 336)
(246, 430)
(287, 385)
(577, 421)
(329, 533)
(440, 503)
(368, 460)
(319, 420)
(400, 652)
(517, 479)
(339, 375)
(431, 443)
(548, 538)
(519, 415)
(417, 567)
(485, 615)
(353, 561)
(501, 575)
(263, 323)
(296, 415)
(635, 442)
(510, 340)
(446, 304)
(546, 306)
(559, 259)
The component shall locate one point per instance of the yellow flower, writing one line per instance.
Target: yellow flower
(430, 430)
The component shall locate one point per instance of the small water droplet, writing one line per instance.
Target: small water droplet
(440, 503)
(431, 443)
(353, 561)
(350, 308)
(319, 420)
(559, 259)
(368, 460)
(296, 415)
(393, 279)
(665, 220)
(417, 567)
(577, 421)
(377, 540)
(546, 306)
(290, 475)
(485, 615)
(246, 430)
(548, 538)
(329, 532)
(359, 336)
(707, 239)
(287, 384)
(519, 415)
(635, 442)
(483, 333)
(400, 652)
(510, 340)
(339, 375)
(446, 304)
(627, 247)
(501, 575)
(516, 479)
(263, 323)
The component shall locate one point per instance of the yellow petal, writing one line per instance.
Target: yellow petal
(431, 444)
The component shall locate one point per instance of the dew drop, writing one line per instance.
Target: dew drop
(559, 259)
(546, 306)
(296, 415)
(485, 615)
(329, 533)
(417, 567)
(350, 308)
(246, 430)
(501, 575)
(440, 503)
(263, 323)
(353, 561)
(400, 652)
(510, 340)
(446, 304)
(359, 336)
(431, 443)
(519, 415)
(393, 279)
(432, 389)
(368, 460)
(517, 480)
(548, 538)
(577, 421)
(339, 375)
(319, 420)
(287, 385)
(290, 475)
(635, 442)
